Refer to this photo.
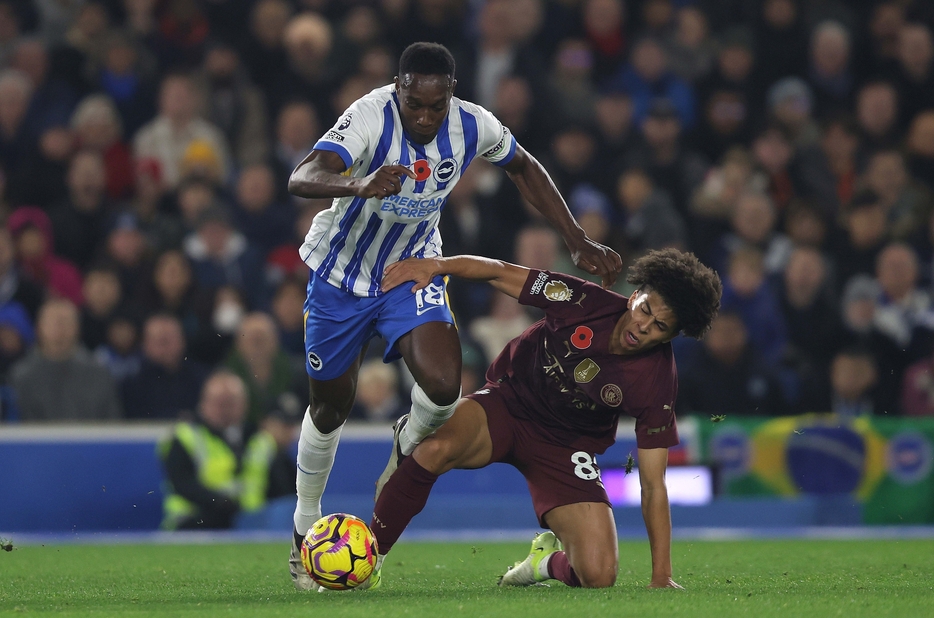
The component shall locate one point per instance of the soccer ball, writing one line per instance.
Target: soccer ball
(339, 552)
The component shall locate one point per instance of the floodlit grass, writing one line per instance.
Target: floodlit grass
(753, 578)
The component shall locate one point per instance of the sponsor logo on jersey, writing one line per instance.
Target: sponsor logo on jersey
(557, 291)
(611, 395)
(411, 206)
(334, 136)
(538, 283)
(499, 145)
(345, 121)
(586, 371)
(315, 361)
(445, 170)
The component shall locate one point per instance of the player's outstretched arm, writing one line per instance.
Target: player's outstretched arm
(320, 175)
(657, 514)
(537, 187)
(505, 277)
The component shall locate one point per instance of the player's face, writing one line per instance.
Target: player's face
(423, 104)
(649, 322)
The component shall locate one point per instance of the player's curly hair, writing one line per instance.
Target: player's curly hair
(689, 288)
(426, 59)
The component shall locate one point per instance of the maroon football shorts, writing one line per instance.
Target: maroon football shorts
(556, 474)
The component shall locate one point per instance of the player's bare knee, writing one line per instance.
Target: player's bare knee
(326, 417)
(595, 578)
(600, 573)
(442, 391)
(437, 455)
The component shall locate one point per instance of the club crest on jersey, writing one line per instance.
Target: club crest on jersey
(557, 291)
(445, 170)
(586, 371)
(315, 361)
(611, 395)
(422, 170)
(345, 121)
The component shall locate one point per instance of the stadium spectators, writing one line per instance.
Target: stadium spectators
(266, 371)
(80, 221)
(102, 293)
(59, 380)
(853, 376)
(167, 137)
(167, 110)
(35, 257)
(728, 375)
(168, 383)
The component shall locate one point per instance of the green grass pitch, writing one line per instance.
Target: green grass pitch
(722, 578)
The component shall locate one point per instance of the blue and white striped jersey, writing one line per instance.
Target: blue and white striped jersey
(350, 243)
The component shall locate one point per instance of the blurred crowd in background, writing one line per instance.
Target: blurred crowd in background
(148, 237)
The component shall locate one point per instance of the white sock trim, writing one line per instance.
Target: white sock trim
(316, 453)
(425, 417)
(543, 567)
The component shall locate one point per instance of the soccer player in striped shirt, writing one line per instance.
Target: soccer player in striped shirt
(390, 162)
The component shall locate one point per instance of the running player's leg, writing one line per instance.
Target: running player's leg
(420, 328)
(432, 352)
(587, 531)
(463, 442)
(330, 404)
(337, 329)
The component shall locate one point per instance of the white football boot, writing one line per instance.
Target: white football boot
(300, 577)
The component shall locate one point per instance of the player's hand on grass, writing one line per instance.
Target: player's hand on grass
(385, 181)
(665, 582)
(419, 270)
(596, 259)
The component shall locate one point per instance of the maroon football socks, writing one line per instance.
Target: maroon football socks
(403, 497)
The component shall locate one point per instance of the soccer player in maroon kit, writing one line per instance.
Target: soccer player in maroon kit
(551, 404)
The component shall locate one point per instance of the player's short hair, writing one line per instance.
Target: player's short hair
(427, 59)
(691, 289)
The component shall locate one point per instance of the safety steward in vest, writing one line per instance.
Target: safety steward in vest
(217, 466)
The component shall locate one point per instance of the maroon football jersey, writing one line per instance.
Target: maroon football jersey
(570, 383)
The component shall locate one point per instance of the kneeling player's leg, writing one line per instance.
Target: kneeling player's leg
(463, 442)
(591, 551)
